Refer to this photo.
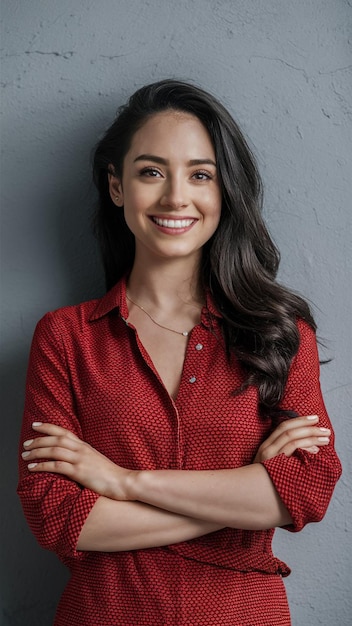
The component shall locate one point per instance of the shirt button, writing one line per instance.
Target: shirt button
(199, 346)
(192, 379)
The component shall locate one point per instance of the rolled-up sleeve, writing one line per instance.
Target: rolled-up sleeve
(305, 481)
(54, 506)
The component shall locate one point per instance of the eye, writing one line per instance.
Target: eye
(202, 175)
(150, 172)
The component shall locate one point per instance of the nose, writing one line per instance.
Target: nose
(174, 194)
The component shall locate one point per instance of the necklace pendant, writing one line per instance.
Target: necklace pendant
(185, 333)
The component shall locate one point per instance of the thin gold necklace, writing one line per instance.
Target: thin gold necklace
(185, 333)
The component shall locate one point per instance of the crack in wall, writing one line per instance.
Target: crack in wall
(65, 55)
(278, 60)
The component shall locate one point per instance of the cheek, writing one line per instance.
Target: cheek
(213, 201)
(215, 222)
(214, 208)
(138, 198)
(215, 218)
(135, 208)
(133, 204)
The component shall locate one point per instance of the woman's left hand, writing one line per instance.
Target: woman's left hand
(61, 452)
(293, 434)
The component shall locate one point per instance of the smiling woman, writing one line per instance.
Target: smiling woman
(169, 188)
(171, 425)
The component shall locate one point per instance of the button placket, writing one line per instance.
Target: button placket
(192, 366)
(198, 347)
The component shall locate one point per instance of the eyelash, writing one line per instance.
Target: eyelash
(203, 173)
(152, 170)
(149, 170)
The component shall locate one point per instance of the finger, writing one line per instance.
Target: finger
(294, 434)
(290, 427)
(306, 444)
(296, 422)
(291, 446)
(53, 453)
(52, 429)
(302, 433)
(312, 449)
(56, 467)
(63, 441)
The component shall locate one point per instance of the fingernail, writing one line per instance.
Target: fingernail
(323, 439)
(312, 417)
(28, 442)
(37, 424)
(25, 454)
(324, 430)
(32, 465)
(314, 449)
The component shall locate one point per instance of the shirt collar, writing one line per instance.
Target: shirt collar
(115, 298)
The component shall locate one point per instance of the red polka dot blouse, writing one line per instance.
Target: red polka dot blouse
(89, 372)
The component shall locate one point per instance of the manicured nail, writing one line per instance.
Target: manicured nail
(25, 454)
(312, 417)
(324, 430)
(324, 439)
(28, 442)
(32, 465)
(37, 424)
(314, 449)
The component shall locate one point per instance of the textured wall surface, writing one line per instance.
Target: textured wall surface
(284, 70)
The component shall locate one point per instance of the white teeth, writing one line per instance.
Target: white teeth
(172, 223)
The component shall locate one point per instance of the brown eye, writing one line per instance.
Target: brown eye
(150, 172)
(202, 176)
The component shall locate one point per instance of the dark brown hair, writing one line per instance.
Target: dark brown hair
(240, 262)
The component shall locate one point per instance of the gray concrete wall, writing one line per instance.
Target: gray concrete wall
(284, 69)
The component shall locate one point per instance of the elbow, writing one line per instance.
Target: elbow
(47, 533)
(320, 498)
(306, 485)
(308, 511)
(303, 515)
(49, 508)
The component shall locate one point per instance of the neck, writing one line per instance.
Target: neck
(165, 284)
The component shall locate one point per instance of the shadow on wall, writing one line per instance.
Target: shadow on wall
(31, 578)
(65, 270)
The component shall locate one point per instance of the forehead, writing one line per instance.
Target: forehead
(171, 131)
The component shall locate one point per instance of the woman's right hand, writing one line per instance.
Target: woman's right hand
(298, 432)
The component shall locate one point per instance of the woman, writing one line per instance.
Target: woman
(159, 453)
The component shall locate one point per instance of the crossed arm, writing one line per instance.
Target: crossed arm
(143, 509)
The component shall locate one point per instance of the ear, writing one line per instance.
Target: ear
(115, 189)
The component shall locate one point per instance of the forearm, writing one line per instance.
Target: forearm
(240, 498)
(114, 526)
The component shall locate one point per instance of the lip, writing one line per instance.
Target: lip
(173, 225)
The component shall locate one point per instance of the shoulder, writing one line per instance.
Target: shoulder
(69, 323)
(307, 338)
(73, 316)
(305, 363)
(79, 317)
(305, 329)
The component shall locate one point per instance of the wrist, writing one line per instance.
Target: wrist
(121, 485)
(131, 485)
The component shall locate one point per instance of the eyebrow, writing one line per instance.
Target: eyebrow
(157, 159)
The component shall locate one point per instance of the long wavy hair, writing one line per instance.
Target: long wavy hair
(240, 261)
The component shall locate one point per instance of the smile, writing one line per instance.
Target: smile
(167, 223)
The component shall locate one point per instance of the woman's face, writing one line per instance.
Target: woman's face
(169, 189)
